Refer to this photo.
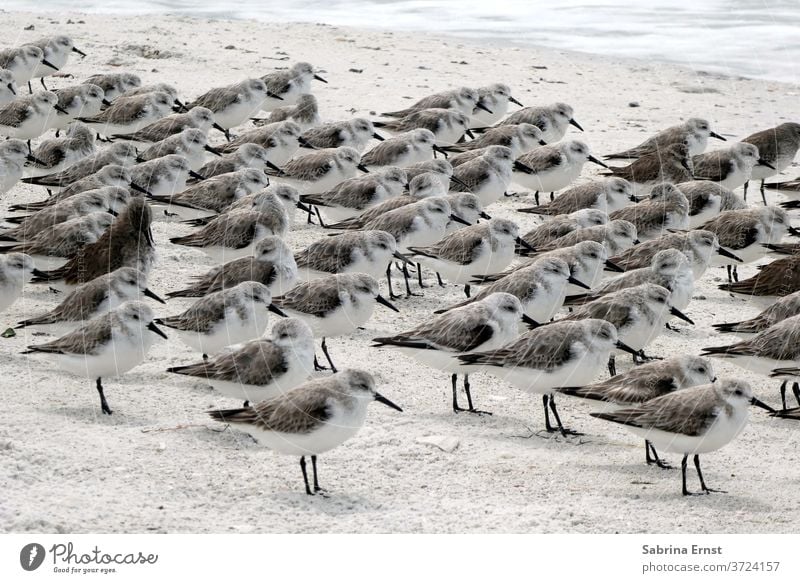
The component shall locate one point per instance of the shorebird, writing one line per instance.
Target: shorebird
(694, 132)
(553, 167)
(310, 419)
(693, 421)
(482, 325)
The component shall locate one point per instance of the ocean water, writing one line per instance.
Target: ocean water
(752, 38)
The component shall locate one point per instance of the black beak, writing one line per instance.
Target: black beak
(523, 245)
(577, 282)
(530, 322)
(458, 181)
(438, 149)
(61, 109)
(572, 122)
(401, 257)
(512, 100)
(763, 162)
(382, 300)
(274, 96)
(729, 255)
(318, 78)
(148, 293)
(106, 102)
(276, 310)
(625, 348)
(138, 188)
(716, 135)
(484, 215)
(196, 176)
(458, 219)
(519, 166)
(303, 207)
(611, 266)
(363, 168)
(153, 328)
(480, 105)
(49, 64)
(274, 168)
(542, 143)
(794, 232)
(216, 126)
(685, 164)
(469, 133)
(139, 159)
(304, 143)
(181, 105)
(761, 404)
(11, 88)
(77, 50)
(381, 399)
(634, 198)
(377, 136)
(637, 242)
(34, 159)
(597, 161)
(39, 273)
(212, 150)
(676, 312)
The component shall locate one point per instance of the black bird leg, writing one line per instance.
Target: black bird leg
(469, 398)
(328, 356)
(536, 197)
(466, 290)
(419, 276)
(746, 184)
(655, 459)
(552, 196)
(305, 475)
(319, 216)
(796, 392)
(612, 365)
(30, 87)
(763, 194)
(316, 481)
(103, 403)
(454, 380)
(705, 488)
(549, 428)
(392, 295)
(41, 80)
(564, 432)
(783, 394)
(317, 366)
(439, 279)
(407, 277)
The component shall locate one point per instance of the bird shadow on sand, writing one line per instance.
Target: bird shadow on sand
(90, 414)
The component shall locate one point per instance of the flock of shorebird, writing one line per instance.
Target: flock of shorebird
(611, 262)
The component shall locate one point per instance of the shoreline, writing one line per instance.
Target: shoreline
(498, 37)
(157, 465)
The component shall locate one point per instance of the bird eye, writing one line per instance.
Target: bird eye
(701, 370)
(738, 392)
(135, 317)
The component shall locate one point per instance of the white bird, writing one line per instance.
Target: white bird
(107, 346)
(310, 419)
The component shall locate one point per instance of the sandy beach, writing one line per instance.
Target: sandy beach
(159, 464)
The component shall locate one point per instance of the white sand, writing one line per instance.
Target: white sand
(64, 467)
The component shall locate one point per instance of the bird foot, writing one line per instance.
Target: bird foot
(661, 464)
(473, 410)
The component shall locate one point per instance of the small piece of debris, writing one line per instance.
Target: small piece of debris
(9, 333)
(356, 70)
(633, 104)
(30, 27)
(444, 442)
(229, 47)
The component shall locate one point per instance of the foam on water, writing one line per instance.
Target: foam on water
(754, 38)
